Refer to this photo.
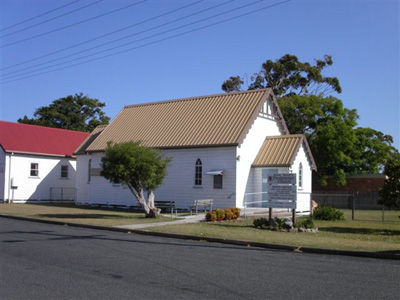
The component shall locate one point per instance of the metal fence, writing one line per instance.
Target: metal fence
(62, 194)
(364, 206)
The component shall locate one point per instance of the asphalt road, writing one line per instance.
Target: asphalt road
(41, 261)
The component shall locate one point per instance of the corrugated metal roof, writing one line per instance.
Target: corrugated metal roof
(281, 151)
(93, 135)
(32, 139)
(214, 120)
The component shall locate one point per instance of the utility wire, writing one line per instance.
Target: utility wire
(154, 42)
(104, 35)
(73, 24)
(38, 16)
(48, 20)
(116, 40)
(135, 41)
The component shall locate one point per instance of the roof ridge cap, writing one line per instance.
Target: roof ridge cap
(195, 98)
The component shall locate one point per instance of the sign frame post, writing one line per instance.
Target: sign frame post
(282, 193)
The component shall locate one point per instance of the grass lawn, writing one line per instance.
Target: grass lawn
(78, 214)
(343, 235)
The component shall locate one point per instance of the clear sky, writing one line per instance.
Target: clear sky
(362, 36)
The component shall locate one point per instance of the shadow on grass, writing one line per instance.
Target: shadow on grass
(134, 209)
(367, 231)
(88, 216)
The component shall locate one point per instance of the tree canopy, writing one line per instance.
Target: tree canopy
(338, 146)
(140, 168)
(288, 75)
(74, 112)
(390, 192)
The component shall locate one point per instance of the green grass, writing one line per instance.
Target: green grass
(71, 213)
(341, 235)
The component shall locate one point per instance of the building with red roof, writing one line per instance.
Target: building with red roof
(37, 163)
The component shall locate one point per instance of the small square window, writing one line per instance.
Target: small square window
(64, 171)
(34, 169)
(217, 181)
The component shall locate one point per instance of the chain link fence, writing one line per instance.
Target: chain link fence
(363, 206)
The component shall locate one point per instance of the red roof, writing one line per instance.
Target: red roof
(23, 138)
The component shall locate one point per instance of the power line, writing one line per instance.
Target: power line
(135, 41)
(154, 42)
(38, 16)
(73, 24)
(48, 20)
(125, 37)
(104, 35)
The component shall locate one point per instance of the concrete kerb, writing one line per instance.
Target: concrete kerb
(295, 249)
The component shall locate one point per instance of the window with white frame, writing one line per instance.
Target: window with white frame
(198, 173)
(34, 170)
(300, 176)
(64, 171)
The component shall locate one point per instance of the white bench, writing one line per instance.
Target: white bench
(204, 203)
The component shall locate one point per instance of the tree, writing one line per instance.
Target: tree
(390, 192)
(78, 112)
(328, 127)
(288, 75)
(339, 148)
(140, 168)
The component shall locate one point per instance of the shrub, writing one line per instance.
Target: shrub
(261, 223)
(220, 213)
(307, 223)
(228, 214)
(236, 212)
(223, 214)
(328, 213)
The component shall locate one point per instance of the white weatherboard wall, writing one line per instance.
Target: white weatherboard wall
(178, 185)
(38, 187)
(304, 193)
(261, 128)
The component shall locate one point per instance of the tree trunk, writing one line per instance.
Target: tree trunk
(150, 210)
(154, 211)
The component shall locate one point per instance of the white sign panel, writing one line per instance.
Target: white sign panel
(282, 192)
(288, 178)
(281, 204)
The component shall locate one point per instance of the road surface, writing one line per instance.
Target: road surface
(42, 261)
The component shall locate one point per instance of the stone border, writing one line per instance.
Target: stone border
(380, 255)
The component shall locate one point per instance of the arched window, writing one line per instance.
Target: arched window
(198, 173)
(300, 176)
(89, 168)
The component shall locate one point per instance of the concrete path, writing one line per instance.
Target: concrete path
(184, 220)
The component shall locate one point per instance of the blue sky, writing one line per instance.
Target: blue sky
(362, 36)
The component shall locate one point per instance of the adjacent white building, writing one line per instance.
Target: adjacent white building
(220, 147)
(37, 163)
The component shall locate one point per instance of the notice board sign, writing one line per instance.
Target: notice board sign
(282, 191)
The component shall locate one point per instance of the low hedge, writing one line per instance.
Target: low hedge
(223, 214)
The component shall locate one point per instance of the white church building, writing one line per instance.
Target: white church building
(223, 147)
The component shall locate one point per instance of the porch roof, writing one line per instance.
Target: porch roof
(281, 151)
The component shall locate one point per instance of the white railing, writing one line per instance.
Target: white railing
(246, 203)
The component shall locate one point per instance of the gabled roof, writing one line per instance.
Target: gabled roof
(281, 151)
(215, 120)
(39, 140)
(93, 135)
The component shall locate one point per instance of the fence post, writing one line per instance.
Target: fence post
(352, 206)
